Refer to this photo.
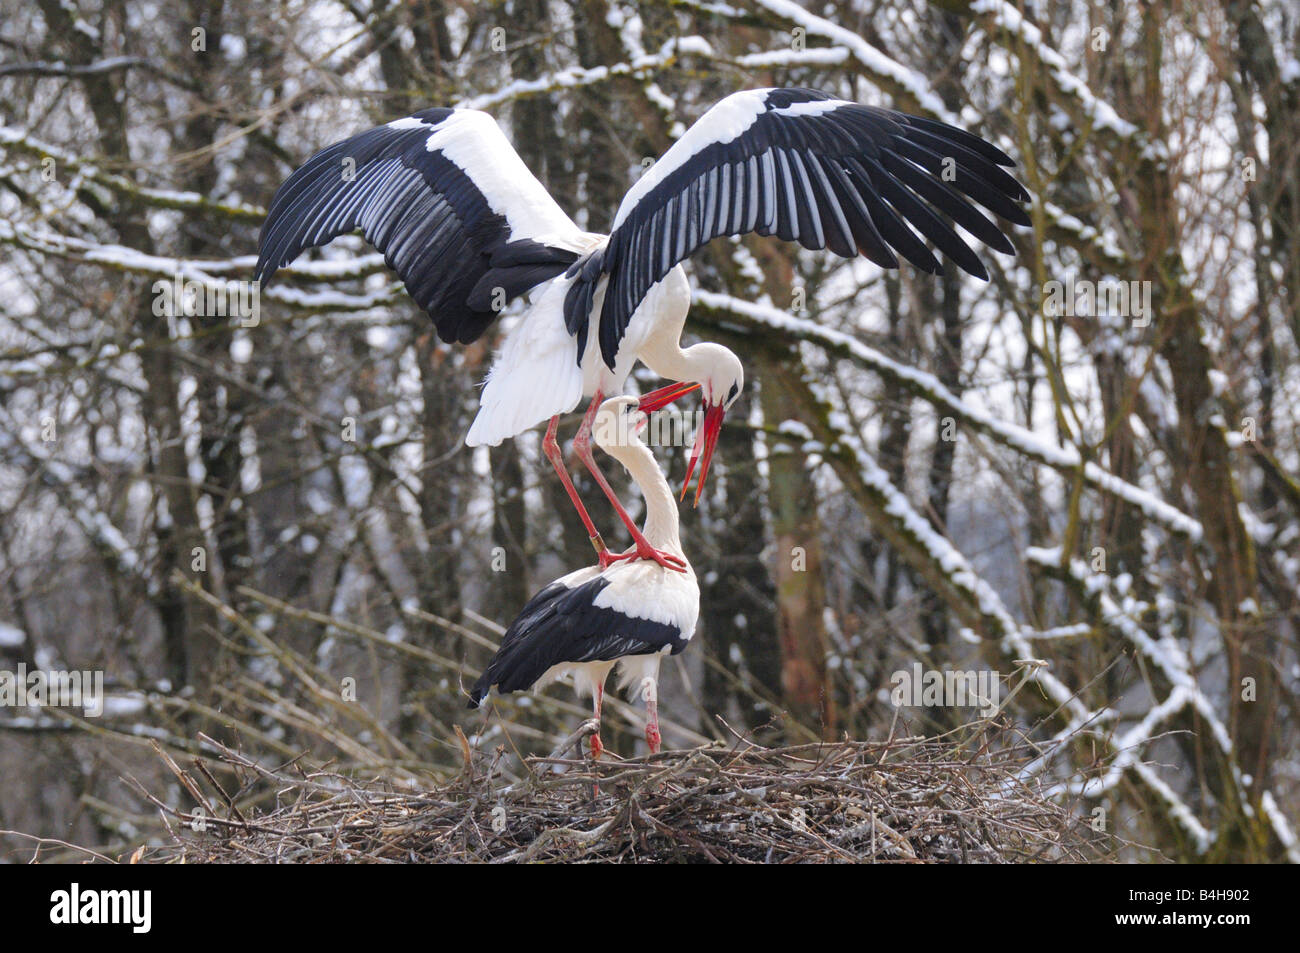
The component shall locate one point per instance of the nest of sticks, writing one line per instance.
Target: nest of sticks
(909, 800)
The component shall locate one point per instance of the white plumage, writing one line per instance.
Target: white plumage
(512, 401)
(629, 614)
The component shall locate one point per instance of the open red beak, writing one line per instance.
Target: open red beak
(707, 439)
(658, 399)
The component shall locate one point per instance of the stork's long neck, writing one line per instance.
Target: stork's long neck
(667, 304)
(664, 355)
(661, 525)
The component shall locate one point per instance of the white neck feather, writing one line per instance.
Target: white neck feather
(661, 524)
(666, 357)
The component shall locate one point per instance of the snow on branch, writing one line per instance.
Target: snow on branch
(1089, 241)
(931, 389)
(944, 566)
(1006, 20)
(907, 83)
(86, 511)
(576, 76)
(1120, 615)
(787, 58)
(865, 478)
(20, 141)
(1175, 806)
(888, 72)
(1170, 658)
(1281, 826)
(205, 271)
(112, 64)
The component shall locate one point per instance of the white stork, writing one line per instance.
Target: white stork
(468, 228)
(630, 614)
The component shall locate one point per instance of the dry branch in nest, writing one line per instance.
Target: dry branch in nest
(911, 800)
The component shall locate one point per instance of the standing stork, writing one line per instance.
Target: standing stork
(629, 614)
(468, 228)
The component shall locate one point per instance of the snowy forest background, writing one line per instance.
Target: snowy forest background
(923, 469)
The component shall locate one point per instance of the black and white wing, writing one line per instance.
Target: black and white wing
(570, 622)
(805, 167)
(445, 198)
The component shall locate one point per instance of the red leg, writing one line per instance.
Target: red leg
(582, 447)
(596, 746)
(652, 737)
(552, 450)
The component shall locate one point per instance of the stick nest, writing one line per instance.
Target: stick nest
(907, 800)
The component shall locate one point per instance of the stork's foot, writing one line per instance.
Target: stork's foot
(645, 551)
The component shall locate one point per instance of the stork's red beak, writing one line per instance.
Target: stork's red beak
(658, 399)
(707, 439)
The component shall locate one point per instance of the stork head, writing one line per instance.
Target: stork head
(722, 379)
(620, 420)
(617, 423)
(720, 376)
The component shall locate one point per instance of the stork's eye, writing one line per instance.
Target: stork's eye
(732, 395)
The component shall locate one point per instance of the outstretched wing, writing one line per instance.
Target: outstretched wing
(805, 167)
(445, 198)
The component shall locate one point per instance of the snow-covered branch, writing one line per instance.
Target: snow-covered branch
(67, 162)
(1067, 460)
